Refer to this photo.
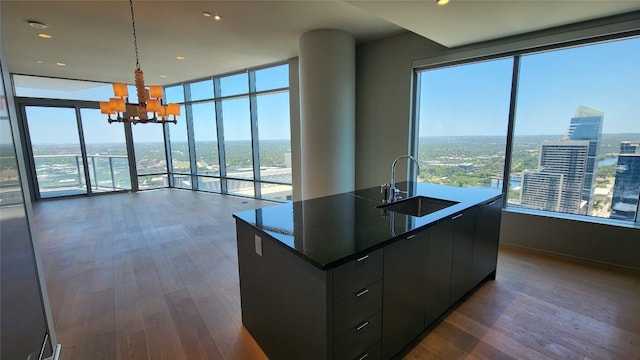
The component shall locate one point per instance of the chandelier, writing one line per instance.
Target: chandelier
(150, 107)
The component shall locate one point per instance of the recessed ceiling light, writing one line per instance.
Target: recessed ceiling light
(36, 24)
(163, 76)
(39, 61)
(442, 2)
(216, 17)
(44, 36)
(180, 57)
(61, 64)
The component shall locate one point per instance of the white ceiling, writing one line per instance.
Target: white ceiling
(94, 38)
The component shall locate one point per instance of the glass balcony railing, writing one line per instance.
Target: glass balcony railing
(64, 174)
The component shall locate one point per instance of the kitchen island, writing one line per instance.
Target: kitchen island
(339, 277)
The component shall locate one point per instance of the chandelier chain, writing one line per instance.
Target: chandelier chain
(135, 38)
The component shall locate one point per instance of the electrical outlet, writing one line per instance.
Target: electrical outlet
(258, 242)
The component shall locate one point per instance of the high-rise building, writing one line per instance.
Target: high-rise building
(541, 190)
(626, 189)
(558, 183)
(566, 176)
(586, 124)
(628, 147)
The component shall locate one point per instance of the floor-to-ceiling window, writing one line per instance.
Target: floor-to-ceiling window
(106, 149)
(236, 125)
(56, 151)
(73, 151)
(240, 142)
(232, 137)
(274, 135)
(180, 152)
(236, 122)
(151, 158)
(462, 123)
(205, 135)
(575, 136)
(576, 110)
(149, 148)
(71, 148)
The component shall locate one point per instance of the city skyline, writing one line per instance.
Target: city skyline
(478, 158)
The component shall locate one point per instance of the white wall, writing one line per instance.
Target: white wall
(327, 112)
(606, 244)
(294, 118)
(383, 104)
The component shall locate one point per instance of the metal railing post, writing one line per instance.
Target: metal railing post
(95, 173)
(78, 170)
(113, 179)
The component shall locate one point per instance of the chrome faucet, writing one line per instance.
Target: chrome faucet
(393, 190)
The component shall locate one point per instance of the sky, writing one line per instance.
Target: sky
(470, 99)
(473, 99)
(49, 125)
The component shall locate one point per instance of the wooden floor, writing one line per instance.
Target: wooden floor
(153, 275)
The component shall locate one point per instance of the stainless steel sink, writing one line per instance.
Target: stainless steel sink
(418, 205)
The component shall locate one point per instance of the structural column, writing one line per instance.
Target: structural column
(327, 112)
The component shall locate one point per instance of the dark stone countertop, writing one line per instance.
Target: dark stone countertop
(332, 230)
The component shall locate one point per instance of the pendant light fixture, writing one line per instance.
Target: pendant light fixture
(150, 107)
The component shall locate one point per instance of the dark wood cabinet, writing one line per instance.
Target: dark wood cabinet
(437, 271)
(357, 307)
(485, 246)
(372, 306)
(355, 275)
(295, 310)
(358, 339)
(462, 256)
(353, 310)
(403, 309)
(283, 297)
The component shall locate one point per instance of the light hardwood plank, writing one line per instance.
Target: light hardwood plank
(154, 275)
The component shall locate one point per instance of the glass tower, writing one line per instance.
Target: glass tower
(558, 183)
(626, 189)
(586, 124)
(566, 176)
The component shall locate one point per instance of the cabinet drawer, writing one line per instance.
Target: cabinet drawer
(353, 309)
(360, 338)
(356, 275)
(372, 353)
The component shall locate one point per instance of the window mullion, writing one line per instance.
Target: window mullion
(191, 146)
(253, 114)
(83, 152)
(222, 158)
(510, 128)
(131, 154)
(167, 152)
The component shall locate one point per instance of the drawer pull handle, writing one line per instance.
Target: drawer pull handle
(363, 356)
(493, 202)
(362, 326)
(362, 292)
(362, 258)
(411, 237)
(457, 216)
